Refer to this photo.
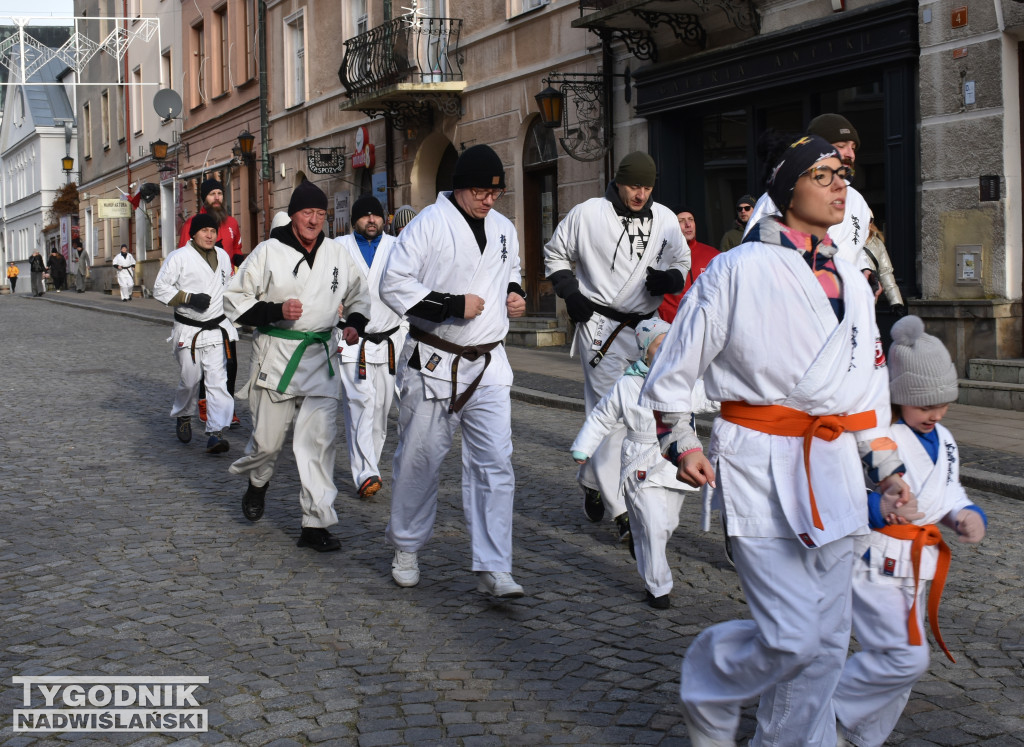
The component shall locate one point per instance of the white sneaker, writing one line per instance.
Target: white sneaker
(699, 738)
(405, 568)
(498, 584)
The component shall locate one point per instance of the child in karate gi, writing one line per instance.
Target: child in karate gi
(648, 482)
(888, 585)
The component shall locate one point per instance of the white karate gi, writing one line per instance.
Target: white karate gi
(613, 275)
(186, 270)
(438, 252)
(759, 328)
(648, 482)
(125, 274)
(850, 236)
(366, 401)
(876, 682)
(275, 272)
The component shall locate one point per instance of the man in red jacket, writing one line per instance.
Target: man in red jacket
(700, 255)
(229, 236)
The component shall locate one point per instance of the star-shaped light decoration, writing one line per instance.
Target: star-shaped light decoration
(412, 16)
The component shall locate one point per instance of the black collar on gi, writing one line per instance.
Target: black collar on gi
(285, 235)
(476, 225)
(612, 195)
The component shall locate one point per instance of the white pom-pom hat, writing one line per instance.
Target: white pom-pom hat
(921, 372)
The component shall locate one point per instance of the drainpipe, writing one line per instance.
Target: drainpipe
(266, 173)
(127, 131)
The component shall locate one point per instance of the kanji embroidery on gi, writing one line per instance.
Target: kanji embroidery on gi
(334, 282)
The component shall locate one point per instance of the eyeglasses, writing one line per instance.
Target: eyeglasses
(824, 175)
(483, 194)
(745, 208)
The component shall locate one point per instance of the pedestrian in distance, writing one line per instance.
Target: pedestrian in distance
(82, 261)
(192, 280)
(12, 276)
(784, 335)
(734, 236)
(124, 264)
(612, 259)
(653, 494)
(291, 288)
(58, 269)
(37, 268)
(455, 274)
(401, 219)
(905, 551)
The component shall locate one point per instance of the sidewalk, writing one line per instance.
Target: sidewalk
(991, 441)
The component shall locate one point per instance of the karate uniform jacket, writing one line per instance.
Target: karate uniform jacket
(940, 497)
(850, 236)
(185, 269)
(438, 252)
(759, 328)
(641, 457)
(275, 272)
(382, 318)
(124, 264)
(608, 270)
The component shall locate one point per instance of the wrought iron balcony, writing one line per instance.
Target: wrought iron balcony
(402, 67)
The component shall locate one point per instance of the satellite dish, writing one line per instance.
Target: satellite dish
(167, 103)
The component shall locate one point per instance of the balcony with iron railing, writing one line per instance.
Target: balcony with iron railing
(404, 66)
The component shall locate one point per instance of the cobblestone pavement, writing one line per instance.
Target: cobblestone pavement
(124, 552)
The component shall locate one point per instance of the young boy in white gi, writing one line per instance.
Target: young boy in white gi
(784, 336)
(612, 259)
(290, 288)
(368, 368)
(455, 273)
(192, 279)
(124, 264)
(653, 494)
(888, 585)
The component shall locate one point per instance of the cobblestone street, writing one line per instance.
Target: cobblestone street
(125, 552)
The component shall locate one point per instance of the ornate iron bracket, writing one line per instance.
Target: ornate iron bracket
(325, 160)
(686, 27)
(586, 140)
(638, 43)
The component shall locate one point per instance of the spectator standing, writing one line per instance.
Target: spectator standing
(700, 256)
(229, 235)
(734, 236)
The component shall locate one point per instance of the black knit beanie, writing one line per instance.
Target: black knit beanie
(208, 186)
(479, 167)
(796, 159)
(201, 220)
(307, 195)
(365, 205)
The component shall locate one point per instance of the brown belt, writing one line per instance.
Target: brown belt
(469, 352)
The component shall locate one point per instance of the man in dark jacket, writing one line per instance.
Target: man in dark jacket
(58, 268)
(37, 267)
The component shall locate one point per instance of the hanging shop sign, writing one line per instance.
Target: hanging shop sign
(364, 156)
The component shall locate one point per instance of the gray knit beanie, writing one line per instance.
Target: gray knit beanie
(921, 373)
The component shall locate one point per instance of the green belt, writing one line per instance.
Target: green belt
(305, 340)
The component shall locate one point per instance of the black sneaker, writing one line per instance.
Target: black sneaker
(184, 429)
(216, 444)
(252, 501)
(318, 539)
(593, 506)
(622, 522)
(658, 603)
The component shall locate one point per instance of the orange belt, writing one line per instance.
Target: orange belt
(778, 420)
(921, 537)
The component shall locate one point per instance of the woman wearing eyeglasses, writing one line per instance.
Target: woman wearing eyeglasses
(784, 335)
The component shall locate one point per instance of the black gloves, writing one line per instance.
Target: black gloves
(198, 301)
(579, 307)
(660, 282)
(899, 310)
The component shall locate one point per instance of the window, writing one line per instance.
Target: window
(249, 44)
(105, 119)
(359, 17)
(518, 7)
(166, 71)
(295, 54)
(119, 114)
(220, 29)
(197, 68)
(136, 100)
(87, 131)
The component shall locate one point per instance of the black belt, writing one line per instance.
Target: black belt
(624, 318)
(377, 338)
(207, 326)
(469, 352)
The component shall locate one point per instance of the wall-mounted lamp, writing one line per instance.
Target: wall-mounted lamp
(587, 140)
(68, 164)
(246, 147)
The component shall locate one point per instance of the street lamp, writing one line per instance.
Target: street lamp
(246, 144)
(68, 164)
(551, 103)
(158, 148)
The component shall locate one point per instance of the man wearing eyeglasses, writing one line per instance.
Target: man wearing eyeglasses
(852, 234)
(612, 259)
(292, 288)
(455, 274)
(734, 236)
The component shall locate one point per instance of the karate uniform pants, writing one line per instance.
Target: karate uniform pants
(792, 652)
(425, 430)
(876, 681)
(604, 468)
(210, 363)
(653, 517)
(126, 283)
(366, 404)
(312, 442)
